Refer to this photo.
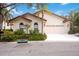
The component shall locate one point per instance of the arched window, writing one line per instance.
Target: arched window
(35, 26)
(21, 26)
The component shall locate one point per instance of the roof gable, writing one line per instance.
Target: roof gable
(50, 13)
(23, 16)
(20, 17)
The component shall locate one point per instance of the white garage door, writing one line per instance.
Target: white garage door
(55, 30)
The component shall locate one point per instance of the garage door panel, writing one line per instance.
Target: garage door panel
(54, 30)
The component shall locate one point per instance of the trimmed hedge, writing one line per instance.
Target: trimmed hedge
(25, 36)
(8, 30)
(10, 36)
(37, 37)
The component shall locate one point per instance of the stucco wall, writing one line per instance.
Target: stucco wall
(5, 26)
(34, 19)
(17, 21)
(54, 24)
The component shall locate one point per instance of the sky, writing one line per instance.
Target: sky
(61, 9)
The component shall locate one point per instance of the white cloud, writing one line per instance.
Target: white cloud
(14, 11)
(33, 7)
(61, 13)
(64, 3)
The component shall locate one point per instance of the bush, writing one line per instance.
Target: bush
(8, 33)
(74, 31)
(19, 32)
(8, 30)
(77, 30)
(37, 37)
(34, 31)
(23, 36)
(8, 38)
(45, 36)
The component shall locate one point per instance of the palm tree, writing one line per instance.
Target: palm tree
(41, 7)
(4, 12)
(74, 20)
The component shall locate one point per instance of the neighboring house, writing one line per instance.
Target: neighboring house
(52, 23)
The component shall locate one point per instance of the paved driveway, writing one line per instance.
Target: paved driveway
(42, 48)
(61, 37)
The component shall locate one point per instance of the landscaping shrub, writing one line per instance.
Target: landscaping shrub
(8, 38)
(45, 36)
(19, 32)
(8, 33)
(34, 31)
(77, 30)
(8, 30)
(35, 35)
(24, 36)
(72, 32)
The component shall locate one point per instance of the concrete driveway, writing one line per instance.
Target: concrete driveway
(61, 37)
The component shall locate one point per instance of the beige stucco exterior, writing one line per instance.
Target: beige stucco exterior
(16, 23)
(35, 19)
(19, 20)
(5, 25)
(54, 24)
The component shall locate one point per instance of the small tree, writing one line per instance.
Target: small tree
(4, 12)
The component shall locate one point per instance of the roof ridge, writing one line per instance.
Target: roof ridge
(48, 11)
(26, 14)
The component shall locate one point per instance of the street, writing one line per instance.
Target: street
(39, 48)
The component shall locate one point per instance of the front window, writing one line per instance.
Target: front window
(35, 26)
(21, 26)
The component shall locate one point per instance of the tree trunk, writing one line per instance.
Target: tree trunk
(42, 20)
(1, 21)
